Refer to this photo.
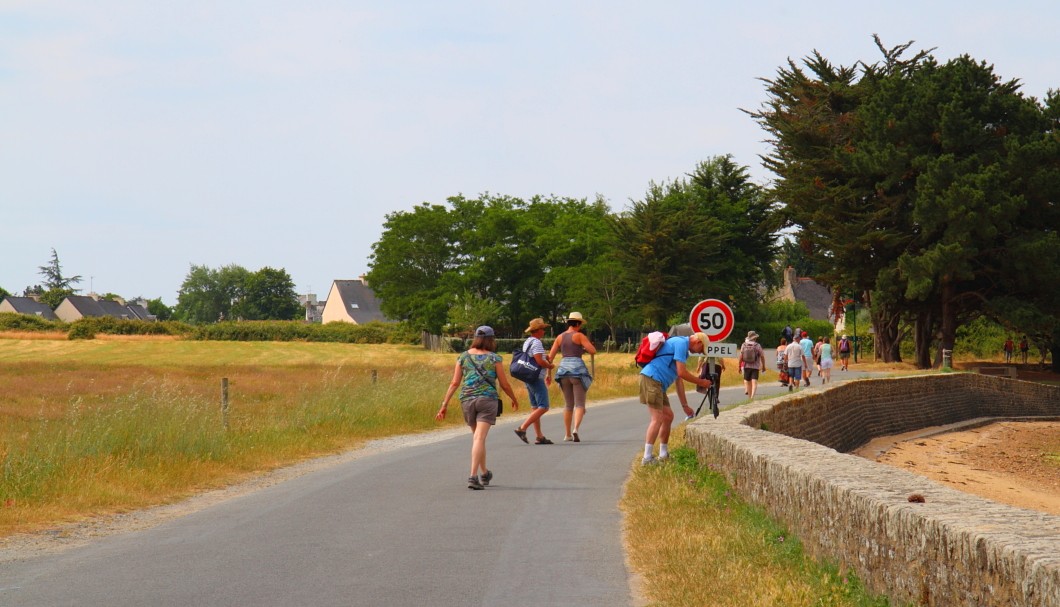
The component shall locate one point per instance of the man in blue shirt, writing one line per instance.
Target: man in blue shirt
(668, 366)
(807, 356)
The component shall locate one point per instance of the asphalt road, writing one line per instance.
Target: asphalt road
(395, 528)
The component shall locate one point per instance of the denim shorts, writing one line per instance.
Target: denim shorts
(538, 394)
(795, 373)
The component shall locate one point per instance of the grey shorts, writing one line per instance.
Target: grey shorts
(480, 410)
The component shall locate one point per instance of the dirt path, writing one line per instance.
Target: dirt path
(1007, 462)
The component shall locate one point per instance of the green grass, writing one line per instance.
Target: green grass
(687, 531)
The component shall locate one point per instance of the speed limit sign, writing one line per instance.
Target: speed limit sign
(713, 317)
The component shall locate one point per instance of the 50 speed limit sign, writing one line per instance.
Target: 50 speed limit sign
(713, 317)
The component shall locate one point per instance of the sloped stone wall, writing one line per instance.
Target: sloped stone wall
(952, 549)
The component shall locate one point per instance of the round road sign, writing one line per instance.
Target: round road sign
(713, 317)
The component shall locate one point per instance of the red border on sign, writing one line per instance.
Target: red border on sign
(725, 310)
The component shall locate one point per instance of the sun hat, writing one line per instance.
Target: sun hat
(703, 339)
(575, 316)
(752, 335)
(484, 331)
(535, 324)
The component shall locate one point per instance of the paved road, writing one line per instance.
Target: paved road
(396, 528)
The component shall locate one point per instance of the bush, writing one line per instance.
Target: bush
(81, 331)
(295, 330)
(12, 321)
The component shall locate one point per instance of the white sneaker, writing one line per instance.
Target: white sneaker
(648, 460)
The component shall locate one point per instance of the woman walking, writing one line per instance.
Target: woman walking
(476, 374)
(826, 361)
(572, 375)
(537, 389)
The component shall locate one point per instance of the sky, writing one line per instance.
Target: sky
(138, 139)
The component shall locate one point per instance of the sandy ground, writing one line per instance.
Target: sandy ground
(1006, 461)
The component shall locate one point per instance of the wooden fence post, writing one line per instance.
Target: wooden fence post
(224, 402)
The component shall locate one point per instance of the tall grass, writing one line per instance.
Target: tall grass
(720, 551)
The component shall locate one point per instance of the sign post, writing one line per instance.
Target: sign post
(714, 318)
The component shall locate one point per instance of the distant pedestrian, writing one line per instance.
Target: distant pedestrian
(754, 361)
(572, 375)
(826, 360)
(782, 362)
(844, 352)
(476, 374)
(1008, 347)
(537, 389)
(793, 353)
(807, 355)
(786, 334)
(1024, 347)
(817, 354)
(666, 368)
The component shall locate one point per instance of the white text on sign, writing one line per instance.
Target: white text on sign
(721, 350)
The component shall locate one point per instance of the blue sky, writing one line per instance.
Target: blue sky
(139, 138)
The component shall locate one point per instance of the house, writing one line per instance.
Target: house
(352, 301)
(817, 297)
(76, 307)
(27, 305)
(314, 310)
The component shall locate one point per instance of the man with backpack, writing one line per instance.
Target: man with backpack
(753, 358)
(666, 367)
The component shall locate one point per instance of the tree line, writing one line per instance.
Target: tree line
(504, 260)
(925, 191)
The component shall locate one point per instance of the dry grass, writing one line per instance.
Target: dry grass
(685, 532)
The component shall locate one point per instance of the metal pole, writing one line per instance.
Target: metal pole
(224, 402)
(855, 330)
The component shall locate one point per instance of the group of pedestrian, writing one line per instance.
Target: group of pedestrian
(1010, 347)
(478, 371)
(479, 377)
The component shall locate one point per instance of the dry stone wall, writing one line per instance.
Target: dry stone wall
(789, 456)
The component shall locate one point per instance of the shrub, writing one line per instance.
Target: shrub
(11, 321)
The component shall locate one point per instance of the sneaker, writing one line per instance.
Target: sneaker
(648, 460)
(663, 458)
(522, 435)
(473, 483)
(541, 440)
(567, 439)
(576, 439)
(790, 388)
(486, 478)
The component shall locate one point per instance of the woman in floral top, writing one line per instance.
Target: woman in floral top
(476, 374)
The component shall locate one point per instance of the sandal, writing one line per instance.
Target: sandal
(541, 440)
(522, 435)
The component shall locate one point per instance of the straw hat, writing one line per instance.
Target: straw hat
(536, 324)
(575, 316)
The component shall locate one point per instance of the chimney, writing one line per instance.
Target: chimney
(364, 279)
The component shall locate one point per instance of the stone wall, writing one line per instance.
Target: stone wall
(789, 456)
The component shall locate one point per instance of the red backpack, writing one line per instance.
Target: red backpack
(649, 346)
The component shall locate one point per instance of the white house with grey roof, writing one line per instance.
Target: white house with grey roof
(76, 307)
(352, 301)
(27, 305)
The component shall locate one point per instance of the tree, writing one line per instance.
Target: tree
(711, 234)
(158, 309)
(53, 275)
(208, 295)
(412, 263)
(918, 186)
(267, 294)
(4, 293)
